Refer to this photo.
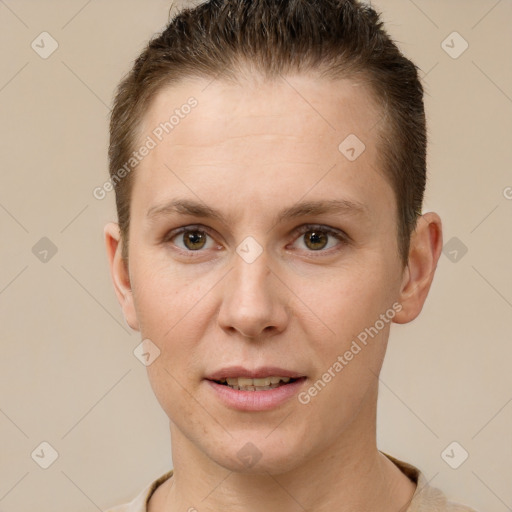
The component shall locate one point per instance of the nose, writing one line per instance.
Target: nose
(254, 300)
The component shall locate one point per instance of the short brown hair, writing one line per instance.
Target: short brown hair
(337, 38)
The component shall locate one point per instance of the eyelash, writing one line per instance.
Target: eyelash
(339, 235)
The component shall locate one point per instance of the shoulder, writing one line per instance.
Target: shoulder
(140, 502)
(426, 498)
(457, 507)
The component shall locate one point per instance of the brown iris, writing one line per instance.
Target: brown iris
(194, 240)
(315, 239)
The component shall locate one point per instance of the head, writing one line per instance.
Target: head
(224, 40)
(278, 106)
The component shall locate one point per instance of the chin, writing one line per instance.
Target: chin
(260, 453)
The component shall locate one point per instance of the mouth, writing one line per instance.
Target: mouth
(254, 390)
(261, 384)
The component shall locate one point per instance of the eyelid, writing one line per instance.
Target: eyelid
(304, 228)
(183, 229)
(340, 235)
(320, 227)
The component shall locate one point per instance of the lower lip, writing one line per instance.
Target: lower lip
(256, 400)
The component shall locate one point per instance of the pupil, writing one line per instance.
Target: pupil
(194, 237)
(316, 238)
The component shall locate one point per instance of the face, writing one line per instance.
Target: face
(257, 243)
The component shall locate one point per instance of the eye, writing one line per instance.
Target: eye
(192, 237)
(315, 238)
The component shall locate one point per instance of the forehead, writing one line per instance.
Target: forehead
(295, 106)
(289, 131)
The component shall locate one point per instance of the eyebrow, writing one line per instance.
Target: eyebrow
(198, 209)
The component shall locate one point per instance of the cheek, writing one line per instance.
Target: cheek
(173, 392)
(349, 305)
(348, 299)
(169, 310)
(348, 362)
(164, 298)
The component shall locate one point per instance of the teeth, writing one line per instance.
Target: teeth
(248, 383)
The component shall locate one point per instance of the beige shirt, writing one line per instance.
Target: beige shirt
(425, 499)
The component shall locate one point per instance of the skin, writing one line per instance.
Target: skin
(250, 151)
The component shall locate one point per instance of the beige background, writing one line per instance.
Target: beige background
(68, 374)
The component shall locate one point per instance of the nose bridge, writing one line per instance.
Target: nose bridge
(250, 281)
(251, 302)
(251, 262)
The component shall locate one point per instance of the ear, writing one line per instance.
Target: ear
(119, 274)
(425, 248)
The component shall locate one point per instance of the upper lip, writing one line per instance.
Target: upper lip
(256, 373)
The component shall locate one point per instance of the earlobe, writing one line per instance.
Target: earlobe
(424, 252)
(119, 273)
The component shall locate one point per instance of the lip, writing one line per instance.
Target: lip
(256, 400)
(257, 373)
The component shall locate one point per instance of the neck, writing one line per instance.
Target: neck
(349, 475)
